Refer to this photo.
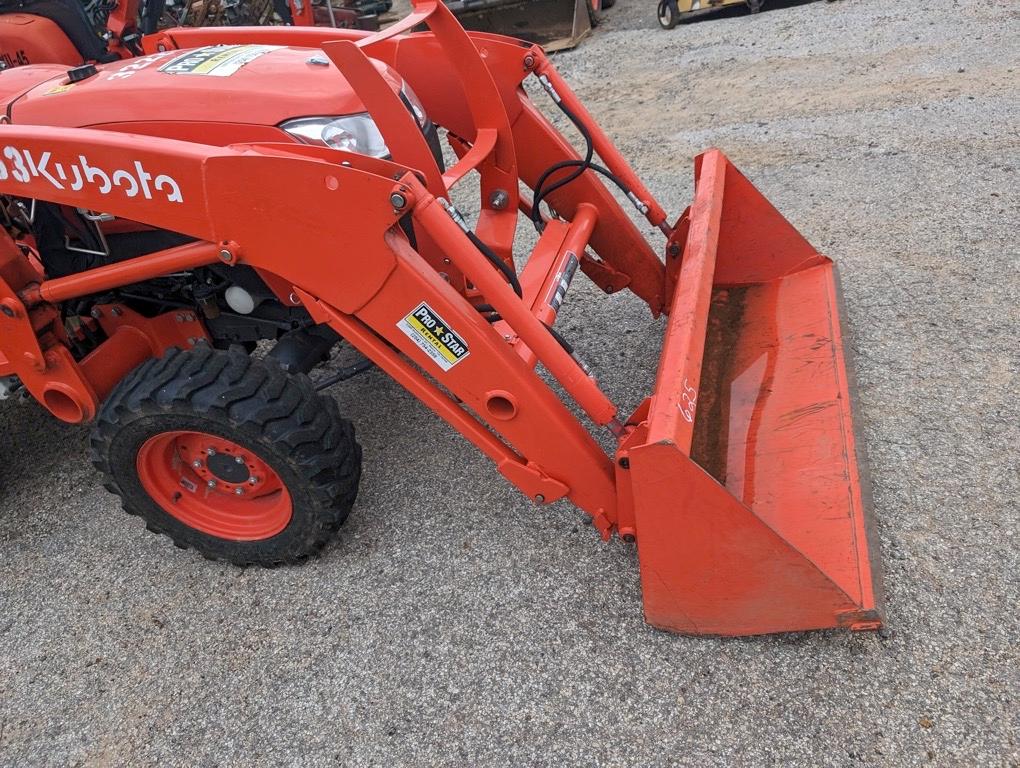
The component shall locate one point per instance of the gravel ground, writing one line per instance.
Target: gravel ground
(454, 623)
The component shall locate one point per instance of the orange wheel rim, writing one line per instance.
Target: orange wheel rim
(214, 485)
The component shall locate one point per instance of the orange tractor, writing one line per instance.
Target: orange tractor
(285, 187)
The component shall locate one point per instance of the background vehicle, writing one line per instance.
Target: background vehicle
(669, 12)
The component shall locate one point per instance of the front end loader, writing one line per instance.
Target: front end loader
(738, 475)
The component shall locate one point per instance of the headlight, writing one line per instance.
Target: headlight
(352, 133)
(412, 102)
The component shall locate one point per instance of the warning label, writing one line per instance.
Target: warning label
(436, 339)
(215, 60)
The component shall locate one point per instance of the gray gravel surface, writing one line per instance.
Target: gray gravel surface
(454, 623)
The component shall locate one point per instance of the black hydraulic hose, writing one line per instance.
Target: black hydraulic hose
(497, 262)
(580, 166)
(540, 191)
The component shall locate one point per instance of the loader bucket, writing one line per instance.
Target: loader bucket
(554, 24)
(749, 509)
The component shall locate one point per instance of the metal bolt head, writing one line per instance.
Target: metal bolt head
(226, 255)
(540, 498)
(7, 310)
(529, 61)
(116, 311)
(397, 200)
(211, 483)
(253, 480)
(239, 491)
(210, 451)
(96, 313)
(239, 459)
(197, 463)
(499, 199)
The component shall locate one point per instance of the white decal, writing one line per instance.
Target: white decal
(215, 60)
(688, 398)
(22, 165)
(138, 64)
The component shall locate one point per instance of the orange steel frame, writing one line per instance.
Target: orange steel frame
(359, 274)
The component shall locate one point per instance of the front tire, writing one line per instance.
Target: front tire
(668, 14)
(229, 456)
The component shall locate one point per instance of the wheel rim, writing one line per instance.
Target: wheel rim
(214, 485)
(665, 14)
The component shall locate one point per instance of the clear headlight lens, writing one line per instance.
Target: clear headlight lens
(352, 133)
(415, 104)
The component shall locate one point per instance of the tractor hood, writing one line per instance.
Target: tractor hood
(258, 85)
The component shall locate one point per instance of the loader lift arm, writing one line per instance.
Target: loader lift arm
(738, 475)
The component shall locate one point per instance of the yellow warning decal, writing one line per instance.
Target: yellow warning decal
(60, 89)
(433, 336)
(215, 60)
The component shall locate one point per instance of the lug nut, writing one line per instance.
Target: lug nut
(253, 481)
(239, 491)
(211, 483)
(397, 200)
(197, 463)
(239, 459)
(210, 451)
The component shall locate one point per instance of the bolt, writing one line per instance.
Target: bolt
(499, 199)
(226, 255)
(673, 250)
(239, 459)
(540, 498)
(529, 61)
(197, 463)
(96, 312)
(7, 310)
(116, 311)
(628, 537)
(253, 481)
(624, 463)
(210, 451)
(239, 491)
(179, 317)
(211, 483)
(397, 200)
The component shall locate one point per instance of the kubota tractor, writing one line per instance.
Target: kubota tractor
(233, 187)
(64, 32)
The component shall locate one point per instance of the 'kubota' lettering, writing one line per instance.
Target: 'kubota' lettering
(22, 165)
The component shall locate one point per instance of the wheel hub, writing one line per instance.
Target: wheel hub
(214, 485)
(229, 469)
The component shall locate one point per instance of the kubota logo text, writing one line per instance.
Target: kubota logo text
(23, 165)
